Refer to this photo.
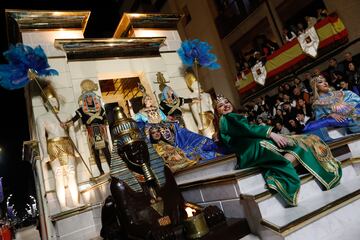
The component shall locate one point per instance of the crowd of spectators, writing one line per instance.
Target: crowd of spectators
(263, 47)
(293, 31)
(291, 107)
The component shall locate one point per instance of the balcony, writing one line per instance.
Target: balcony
(290, 58)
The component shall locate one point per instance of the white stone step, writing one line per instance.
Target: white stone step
(337, 133)
(308, 189)
(211, 170)
(250, 237)
(286, 220)
(255, 184)
(342, 224)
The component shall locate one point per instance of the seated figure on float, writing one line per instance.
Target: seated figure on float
(147, 202)
(202, 110)
(196, 147)
(173, 156)
(57, 148)
(333, 109)
(276, 155)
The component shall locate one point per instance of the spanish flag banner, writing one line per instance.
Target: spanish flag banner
(245, 82)
(329, 30)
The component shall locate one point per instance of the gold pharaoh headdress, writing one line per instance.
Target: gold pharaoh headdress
(48, 92)
(190, 78)
(88, 85)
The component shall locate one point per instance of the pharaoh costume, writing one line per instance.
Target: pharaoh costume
(146, 202)
(57, 147)
(171, 105)
(60, 148)
(93, 117)
(253, 148)
(344, 103)
(203, 111)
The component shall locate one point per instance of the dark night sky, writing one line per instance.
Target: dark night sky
(105, 15)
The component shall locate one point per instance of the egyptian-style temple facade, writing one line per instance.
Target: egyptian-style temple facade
(142, 46)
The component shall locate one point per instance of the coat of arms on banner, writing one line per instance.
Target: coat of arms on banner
(309, 42)
(259, 73)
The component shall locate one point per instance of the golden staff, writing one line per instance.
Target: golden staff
(196, 63)
(33, 76)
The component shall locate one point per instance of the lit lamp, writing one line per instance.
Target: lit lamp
(195, 224)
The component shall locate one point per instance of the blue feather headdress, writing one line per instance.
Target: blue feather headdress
(21, 58)
(199, 51)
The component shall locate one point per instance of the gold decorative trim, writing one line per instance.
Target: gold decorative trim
(33, 20)
(105, 48)
(268, 132)
(208, 163)
(274, 148)
(313, 216)
(220, 179)
(129, 21)
(266, 194)
(304, 179)
(73, 212)
(95, 186)
(344, 141)
(355, 160)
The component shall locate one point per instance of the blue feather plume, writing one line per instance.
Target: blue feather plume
(21, 58)
(195, 49)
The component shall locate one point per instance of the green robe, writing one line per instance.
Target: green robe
(254, 148)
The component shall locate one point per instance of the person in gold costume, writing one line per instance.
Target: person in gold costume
(202, 110)
(57, 149)
(173, 156)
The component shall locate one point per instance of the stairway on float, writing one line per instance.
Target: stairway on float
(242, 193)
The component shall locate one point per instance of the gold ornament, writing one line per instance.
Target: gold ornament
(88, 85)
(160, 79)
(190, 78)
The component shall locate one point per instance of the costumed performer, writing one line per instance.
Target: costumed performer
(93, 116)
(275, 154)
(195, 146)
(56, 147)
(334, 108)
(171, 104)
(202, 110)
(173, 156)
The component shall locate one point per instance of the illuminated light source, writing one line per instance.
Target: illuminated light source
(67, 34)
(195, 225)
(190, 211)
(149, 33)
(137, 15)
(57, 13)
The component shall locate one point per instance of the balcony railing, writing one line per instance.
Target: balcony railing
(290, 57)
